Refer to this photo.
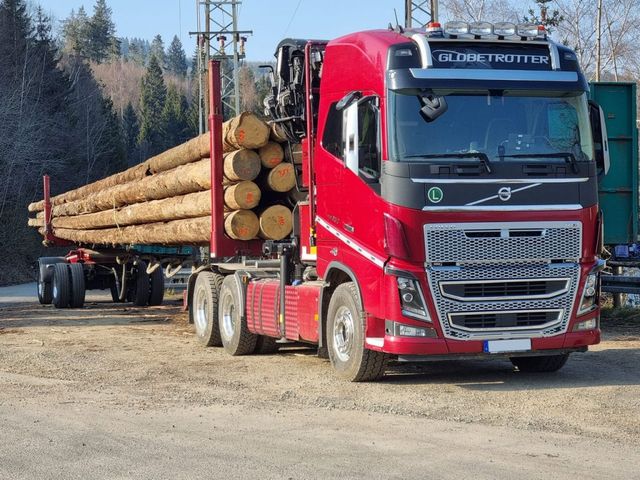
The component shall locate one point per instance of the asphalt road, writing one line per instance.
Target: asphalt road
(112, 391)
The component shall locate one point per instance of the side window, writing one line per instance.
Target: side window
(332, 136)
(368, 144)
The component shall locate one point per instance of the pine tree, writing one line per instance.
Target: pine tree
(157, 50)
(75, 32)
(15, 33)
(130, 131)
(103, 43)
(176, 58)
(550, 19)
(153, 96)
(174, 116)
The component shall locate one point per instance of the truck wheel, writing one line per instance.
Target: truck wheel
(204, 308)
(78, 290)
(45, 289)
(61, 291)
(546, 363)
(236, 337)
(266, 345)
(156, 288)
(345, 338)
(142, 285)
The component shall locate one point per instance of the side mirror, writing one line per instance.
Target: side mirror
(600, 138)
(433, 106)
(348, 99)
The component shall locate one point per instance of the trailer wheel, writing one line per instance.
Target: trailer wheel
(236, 337)
(142, 285)
(114, 293)
(45, 289)
(78, 290)
(266, 345)
(156, 288)
(345, 338)
(203, 311)
(542, 364)
(61, 291)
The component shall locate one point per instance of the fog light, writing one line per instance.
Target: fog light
(504, 29)
(590, 324)
(480, 28)
(401, 330)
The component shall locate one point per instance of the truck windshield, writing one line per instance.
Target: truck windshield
(496, 125)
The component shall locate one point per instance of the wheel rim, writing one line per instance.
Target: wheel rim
(201, 312)
(55, 290)
(40, 289)
(228, 326)
(343, 328)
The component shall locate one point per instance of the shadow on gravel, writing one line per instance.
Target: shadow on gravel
(609, 367)
(93, 314)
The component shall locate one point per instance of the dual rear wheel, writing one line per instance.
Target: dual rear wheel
(68, 287)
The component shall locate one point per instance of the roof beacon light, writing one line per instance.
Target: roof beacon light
(456, 28)
(480, 29)
(528, 30)
(434, 28)
(504, 29)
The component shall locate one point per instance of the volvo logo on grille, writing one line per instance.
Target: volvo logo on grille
(504, 193)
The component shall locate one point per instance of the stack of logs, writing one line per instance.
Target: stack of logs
(166, 200)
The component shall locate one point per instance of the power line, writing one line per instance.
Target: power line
(293, 16)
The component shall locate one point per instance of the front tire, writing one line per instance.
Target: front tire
(203, 310)
(142, 285)
(61, 291)
(236, 337)
(542, 364)
(345, 338)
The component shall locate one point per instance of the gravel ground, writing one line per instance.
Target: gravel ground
(112, 391)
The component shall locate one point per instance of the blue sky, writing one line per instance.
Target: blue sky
(270, 20)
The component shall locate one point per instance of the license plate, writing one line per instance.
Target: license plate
(501, 346)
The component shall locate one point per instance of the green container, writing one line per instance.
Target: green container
(618, 190)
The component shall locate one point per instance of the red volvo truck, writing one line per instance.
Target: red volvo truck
(446, 204)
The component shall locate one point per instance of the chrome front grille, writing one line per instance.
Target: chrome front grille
(507, 280)
(502, 242)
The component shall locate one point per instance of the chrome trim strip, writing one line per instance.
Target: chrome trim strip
(555, 56)
(558, 319)
(351, 243)
(503, 208)
(494, 75)
(425, 50)
(500, 180)
(493, 197)
(510, 297)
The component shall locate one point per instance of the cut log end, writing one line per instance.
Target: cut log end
(242, 196)
(281, 178)
(276, 223)
(271, 155)
(241, 225)
(241, 165)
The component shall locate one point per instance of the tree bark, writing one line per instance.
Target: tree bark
(179, 181)
(192, 231)
(175, 208)
(188, 152)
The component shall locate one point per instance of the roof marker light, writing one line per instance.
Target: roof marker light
(528, 30)
(480, 28)
(504, 29)
(456, 28)
(434, 28)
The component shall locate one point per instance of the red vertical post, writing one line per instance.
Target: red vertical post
(47, 206)
(215, 134)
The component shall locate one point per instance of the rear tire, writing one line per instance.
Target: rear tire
(142, 285)
(203, 310)
(78, 290)
(156, 288)
(345, 338)
(61, 291)
(45, 289)
(45, 278)
(542, 364)
(236, 337)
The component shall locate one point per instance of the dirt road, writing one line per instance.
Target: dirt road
(112, 391)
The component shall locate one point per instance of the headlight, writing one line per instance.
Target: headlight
(411, 299)
(589, 299)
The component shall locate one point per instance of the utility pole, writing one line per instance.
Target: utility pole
(599, 41)
(220, 39)
(418, 13)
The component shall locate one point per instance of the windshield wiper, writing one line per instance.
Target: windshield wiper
(569, 157)
(482, 157)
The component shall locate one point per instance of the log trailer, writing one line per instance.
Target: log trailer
(446, 204)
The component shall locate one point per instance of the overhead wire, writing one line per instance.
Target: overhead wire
(293, 16)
